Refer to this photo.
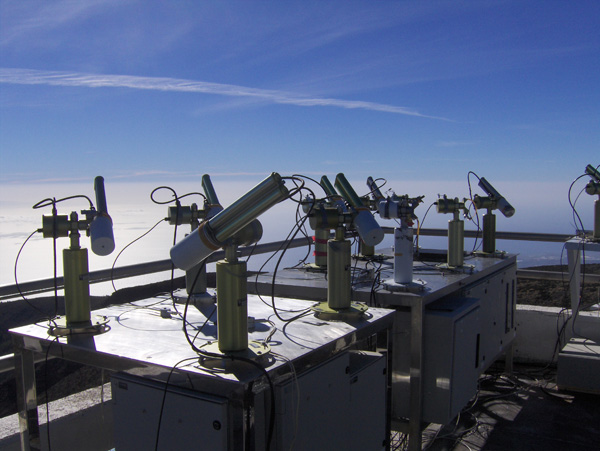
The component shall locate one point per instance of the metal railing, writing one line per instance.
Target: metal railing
(141, 269)
(509, 236)
(122, 272)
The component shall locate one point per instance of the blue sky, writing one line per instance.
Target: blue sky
(138, 90)
(150, 93)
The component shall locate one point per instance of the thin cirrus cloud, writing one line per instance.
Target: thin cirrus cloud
(68, 79)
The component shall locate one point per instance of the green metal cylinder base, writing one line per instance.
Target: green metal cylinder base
(77, 287)
(456, 242)
(339, 263)
(464, 269)
(216, 358)
(414, 286)
(60, 328)
(597, 220)
(232, 306)
(354, 311)
(489, 233)
(312, 267)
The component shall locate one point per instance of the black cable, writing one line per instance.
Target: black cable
(191, 290)
(283, 250)
(162, 405)
(469, 182)
(232, 358)
(251, 251)
(175, 196)
(242, 359)
(500, 386)
(576, 218)
(306, 235)
(52, 201)
(298, 189)
(301, 176)
(304, 338)
(421, 224)
(178, 363)
(560, 329)
(578, 223)
(205, 323)
(560, 334)
(122, 250)
(416, 238)
(576, 214)
(302, 225)
(583, 259)
(17, 282)
(177, 199)
(376, 283)
(377, 187)
(477, 224)
(267, 339)
(283, 247)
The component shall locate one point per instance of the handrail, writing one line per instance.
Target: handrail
(509, 236)
(139, 269)
(552, 275)
(39, 286)
(45, 285)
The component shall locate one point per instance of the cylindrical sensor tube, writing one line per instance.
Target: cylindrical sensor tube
(328, 187)
(101, 234)
(364, 222)
(248, 207)
(101, 227)
(368, 229)
(213, 233)
(209, 190)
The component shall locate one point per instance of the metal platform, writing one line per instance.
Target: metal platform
(146, 341)
(488, 282)
(312, 285)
